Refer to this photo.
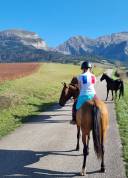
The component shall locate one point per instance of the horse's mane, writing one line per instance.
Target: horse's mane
(107, 76)
(74, 81)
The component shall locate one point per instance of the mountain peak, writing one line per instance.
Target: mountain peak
(75, 44)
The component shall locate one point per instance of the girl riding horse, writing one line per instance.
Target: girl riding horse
(91, 115)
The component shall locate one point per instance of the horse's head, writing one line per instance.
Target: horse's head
(103, 77)
(69, 91)
(63, 95)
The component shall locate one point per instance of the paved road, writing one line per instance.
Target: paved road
(44, 147)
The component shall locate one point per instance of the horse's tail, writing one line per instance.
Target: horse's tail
(96, 131)
(121, 88)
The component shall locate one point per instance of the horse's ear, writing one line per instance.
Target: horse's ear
(64, 84)
(76, 85)
(75, 77)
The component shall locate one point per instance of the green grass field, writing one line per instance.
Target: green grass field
(122, 118)
(26, 97)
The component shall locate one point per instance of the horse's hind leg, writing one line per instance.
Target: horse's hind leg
(78, 122)
(102, 161)
(85, 153)
(88, 144)
(78, 138)
(119, 94)
(115, 93)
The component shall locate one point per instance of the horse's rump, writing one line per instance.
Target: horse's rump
(93, 115)
(89, 110)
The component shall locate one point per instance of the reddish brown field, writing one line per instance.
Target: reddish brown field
(13, 71)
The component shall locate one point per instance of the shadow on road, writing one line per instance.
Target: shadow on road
(18, 163)
(44, 118)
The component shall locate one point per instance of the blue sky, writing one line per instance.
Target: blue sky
(57, 20)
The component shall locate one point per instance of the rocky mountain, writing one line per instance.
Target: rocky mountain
(114, 46)
(21, 37)
(20, 45)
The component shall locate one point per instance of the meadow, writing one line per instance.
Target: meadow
(24, 98)
(122, 119)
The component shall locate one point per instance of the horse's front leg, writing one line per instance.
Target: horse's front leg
(78, 138)
(107, 94)
(85, 139)
(112, 95)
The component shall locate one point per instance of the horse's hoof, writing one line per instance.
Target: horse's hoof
(77, 149)
(103, 170)
(82, 173)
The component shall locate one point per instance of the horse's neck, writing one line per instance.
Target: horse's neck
(75, 88)
(75, 91)
(108, 79)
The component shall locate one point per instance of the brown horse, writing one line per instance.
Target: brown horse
(93, 115)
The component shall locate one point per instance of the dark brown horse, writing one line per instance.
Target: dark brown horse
(93, 115)
(113, 85)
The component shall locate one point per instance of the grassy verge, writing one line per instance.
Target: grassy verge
(23, 98)
(122, 119)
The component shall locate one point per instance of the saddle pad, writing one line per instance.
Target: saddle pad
(83, 99)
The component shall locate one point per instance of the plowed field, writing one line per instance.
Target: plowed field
(16, 70)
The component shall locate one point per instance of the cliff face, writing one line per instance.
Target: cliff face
(21, 45)
(21, 37)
